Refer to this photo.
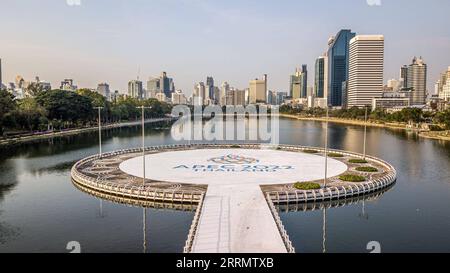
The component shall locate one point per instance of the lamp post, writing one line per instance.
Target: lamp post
(143, 141)
(326, 150)
(99, 130)
(365, 133)
(324, 229)
(144, 229)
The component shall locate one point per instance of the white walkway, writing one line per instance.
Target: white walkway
(237, 219)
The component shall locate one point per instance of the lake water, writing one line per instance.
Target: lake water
(41, 210)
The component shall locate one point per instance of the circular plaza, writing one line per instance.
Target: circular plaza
(183, 173)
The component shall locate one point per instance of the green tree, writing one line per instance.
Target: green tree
(7, 105)
(97, 99)
(66, 106)
(379, 114)
(443, 118)
(412, 114)
(158, 109)
(126, 109)
(30, 114)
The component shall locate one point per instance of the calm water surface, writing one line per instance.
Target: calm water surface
(41, 210)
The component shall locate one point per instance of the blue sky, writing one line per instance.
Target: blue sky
(234, 41)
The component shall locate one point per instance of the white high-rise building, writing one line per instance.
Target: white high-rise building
(223, 91)
(135, 89)
(443, 85)
(366, 63)
(417, 81)
(178, 98)
(200, 93)
(234, 97)
(258, 91)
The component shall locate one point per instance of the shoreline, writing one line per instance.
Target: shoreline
(436, 135)
(76, 131)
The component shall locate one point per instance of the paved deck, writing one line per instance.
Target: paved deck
(236, 219)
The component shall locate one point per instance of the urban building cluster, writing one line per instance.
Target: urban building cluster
(349, 74)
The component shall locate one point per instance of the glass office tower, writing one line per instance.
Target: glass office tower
(319, 79)
(338, 53)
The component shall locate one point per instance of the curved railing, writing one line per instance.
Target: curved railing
(126, 190)
(149, 193)
(338, 192)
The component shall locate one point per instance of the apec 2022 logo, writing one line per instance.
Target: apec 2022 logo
(234, 163)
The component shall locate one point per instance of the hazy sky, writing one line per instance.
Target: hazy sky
(231, 40)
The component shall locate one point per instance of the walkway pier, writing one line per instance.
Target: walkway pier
(234, 187)
(236, 219)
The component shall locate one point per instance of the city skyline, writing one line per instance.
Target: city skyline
(100, 51)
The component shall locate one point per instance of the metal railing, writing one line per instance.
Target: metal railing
(194, 226)
(287, 242)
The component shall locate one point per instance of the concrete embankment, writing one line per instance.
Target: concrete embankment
(29, 138)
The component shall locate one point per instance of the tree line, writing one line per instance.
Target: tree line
(60, 109)
(406, 115)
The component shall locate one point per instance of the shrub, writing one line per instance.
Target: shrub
(335, 155)
(436, 128)
(310, 151)
(307, 186)
(235, 146)
(367, 169)
(358, 161)
(352, 178)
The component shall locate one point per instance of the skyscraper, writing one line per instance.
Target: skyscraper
(417, 81)
(258, 91)
(304, 81)
(153, 87)
(135, 89)
(443, 85)
(404, 76)
(201, 94)
(1, 79)
(166, 85)
(298, 83)
(223, 92)
(320, 77)
(338, 59)
(366, 64)
(103, 89)
(210, 88)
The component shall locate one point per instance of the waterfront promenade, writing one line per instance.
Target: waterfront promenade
(75, 131)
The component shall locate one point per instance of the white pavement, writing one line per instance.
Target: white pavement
(219, 167)
(236, 219)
